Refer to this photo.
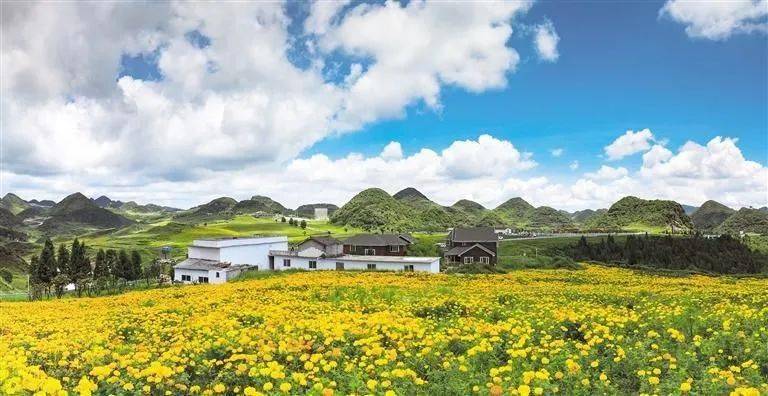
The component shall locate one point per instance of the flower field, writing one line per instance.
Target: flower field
(595, 331)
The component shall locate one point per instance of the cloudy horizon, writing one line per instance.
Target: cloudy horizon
(177, 103)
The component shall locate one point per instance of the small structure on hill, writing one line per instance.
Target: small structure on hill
(321, 213)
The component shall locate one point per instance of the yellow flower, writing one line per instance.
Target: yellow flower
(267, 386)
(219, 388)
(524, 390)
(685, 387)
(653, 380)
(285, 387)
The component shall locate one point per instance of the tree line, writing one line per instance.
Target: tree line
(724, 254)
(52, 270)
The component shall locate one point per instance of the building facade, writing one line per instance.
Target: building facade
(378, 244)
(476, 245)
(219, 260)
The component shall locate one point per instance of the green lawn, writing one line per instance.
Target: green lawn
(150, 238)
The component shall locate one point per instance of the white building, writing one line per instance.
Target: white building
(218, 260)
(321, 213)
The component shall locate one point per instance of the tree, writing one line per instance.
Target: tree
(6, 275)
(123, 268)
(63, 263)
(282, 219)
(100, 269)
(135, 265)
(110, 261)
(47, 264)
(79, 266)
(153, 270)
(303, 224)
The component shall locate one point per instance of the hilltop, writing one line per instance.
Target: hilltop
(13, 203)
(582, 216)
(8, 220)
(746, 220)
(260, 204)
(710, 215)
(308, 210)
(375, 209)
(219, 208)
(76, 212)
(641, 214)
(515, 212)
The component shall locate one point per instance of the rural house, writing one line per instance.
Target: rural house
(471, 245)
(330, 246)
(378, 244)
(219, 260)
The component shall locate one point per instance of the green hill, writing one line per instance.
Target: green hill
(746, 220)
(13, 203)
(469, 206)
(77, 212)
(545, 218)
(8, 220)
(308, 210)
(582, 216)
(632, 213)
(374, 209)
(219, 208)
(710, 215)
(515, 212)
(259, 203)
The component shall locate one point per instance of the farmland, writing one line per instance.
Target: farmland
(597, 330)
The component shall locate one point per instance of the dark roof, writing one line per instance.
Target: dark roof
(323, 240)
(202, 264)
(379, 240)
(474, 234)
(460, 250)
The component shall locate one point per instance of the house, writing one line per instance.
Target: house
(472, 245)
(330, 246)
(218, 260)
(378, 244)
(312, 259)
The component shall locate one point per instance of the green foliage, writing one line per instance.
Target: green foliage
(636, 213)
(710, 215)
(372, 210)
(746, 220)
(6, 275)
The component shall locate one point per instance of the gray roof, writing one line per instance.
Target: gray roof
(323, 240)
(201, 264)
(474, 234)
(379, 240)
(460, 250)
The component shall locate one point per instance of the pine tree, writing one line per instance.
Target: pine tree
(63, 262)
(135, 265)
(304, 224)
(47, 263)
(123, 265)
(34, 270)
(79, 262)
(110, 261)
(100, 269)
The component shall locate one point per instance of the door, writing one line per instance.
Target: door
(271, 263)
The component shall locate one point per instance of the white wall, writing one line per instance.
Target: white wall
(330, 264)
(205, 253)
(257, 255)
(211, 274)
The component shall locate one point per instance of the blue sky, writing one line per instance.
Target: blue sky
(621, 67)
(180, 103)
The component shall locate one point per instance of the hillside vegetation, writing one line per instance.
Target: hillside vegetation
(746, 220)
(710, 215)
(639, 214)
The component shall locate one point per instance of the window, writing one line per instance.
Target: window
(339, 266)
(312, 264)
(371, 266)
(186, 278)
(485, 260)
(217, 274)
(286, 262)
(394, 249)
(351, 248)
(202, 279)
(468, 260)
(408, 268)
(370, 252)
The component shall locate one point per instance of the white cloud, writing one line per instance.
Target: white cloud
(238, 101)
(557, 152)
(487, 156)
(574, 165)
(718, 20)
(392, 151)
(629, 143)
(607, 173)
(691, 175)
(546, 40)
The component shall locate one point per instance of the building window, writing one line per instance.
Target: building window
(312, 264)
(408, 268)
(351, 248)
(485, 260)
(370, 252)
(202, 279)
(371, 266)
(339, 266)
(468, 260)
(217, 274)
(286, 262)
(394, 249)
(186, 278)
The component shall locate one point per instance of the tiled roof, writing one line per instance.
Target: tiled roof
(202, 264)
(379, 240)
(474, 234)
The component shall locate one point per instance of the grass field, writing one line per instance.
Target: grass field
(150, 238)
(594, 331)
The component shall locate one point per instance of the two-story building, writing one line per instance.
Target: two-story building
(471, 245)
(378, 244)
(219, 260)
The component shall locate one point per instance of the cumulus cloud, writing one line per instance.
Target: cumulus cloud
(718, 20)
(392, 151)
(557, 152)
(574, 165)
(546, 40)
(607, 173)
(237, 101)
(629, 143)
